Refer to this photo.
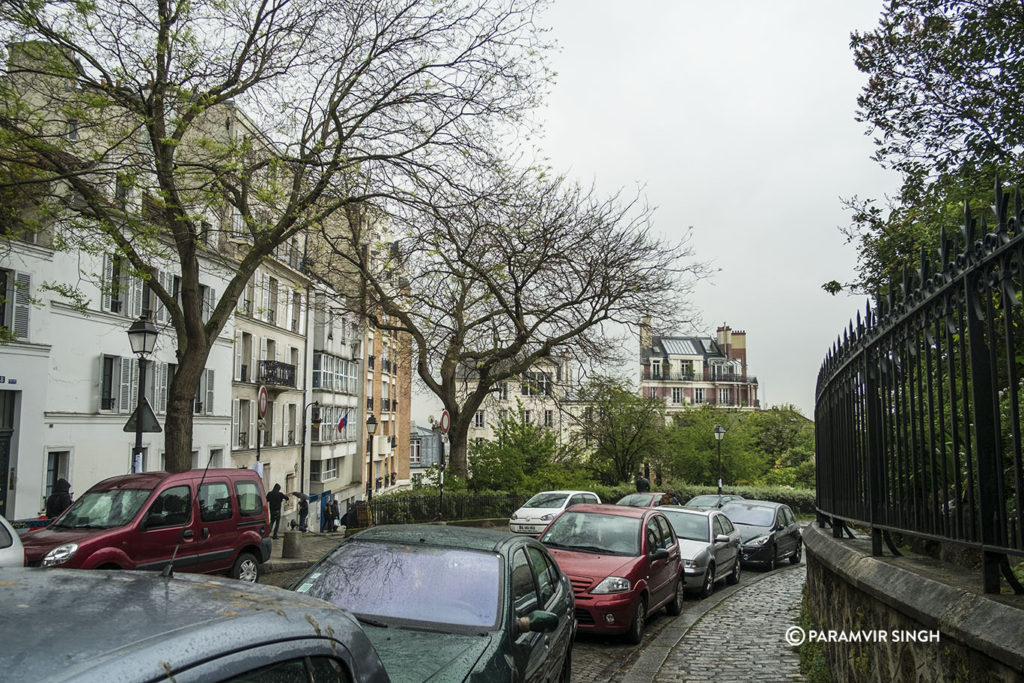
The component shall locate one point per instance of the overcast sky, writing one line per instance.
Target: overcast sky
(736, 119)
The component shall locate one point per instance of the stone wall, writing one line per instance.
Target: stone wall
(871, 598)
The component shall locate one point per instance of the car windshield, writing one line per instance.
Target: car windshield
(548, 499)
(690, 527)
(637, 500)
(751, 516)
(703, 501)
(424, 584)
(589, 532)
(103, 509)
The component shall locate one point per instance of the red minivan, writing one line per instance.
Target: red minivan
(210, 522)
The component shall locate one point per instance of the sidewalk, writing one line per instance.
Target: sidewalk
(312, 546)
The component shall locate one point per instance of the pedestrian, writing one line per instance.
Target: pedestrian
(325, 512)
(642, 483)
(335, 515)
(350, 520)
(274, 499)
(303, 513)
(60, 499)
(669, 498)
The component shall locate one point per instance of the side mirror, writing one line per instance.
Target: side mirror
(659, 554)
(721, 538)
(538, 621)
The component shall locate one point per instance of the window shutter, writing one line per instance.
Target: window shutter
(208, 303)
(252, 424)
(133, 371)
(238, 356)
(235, 410)
(107, 284)
(135, 295)
(161, 387)
(265, 290)
(124, 387)
(286, 322)
(22, 304)
(209, 391)
(278, 433)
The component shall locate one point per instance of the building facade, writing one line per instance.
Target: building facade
(692, 371)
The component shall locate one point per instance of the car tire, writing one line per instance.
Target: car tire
(635, 634)
(246, 568)
(709, 581)
(566, 674)
(675, 605)
(795, 557)
(734, 576)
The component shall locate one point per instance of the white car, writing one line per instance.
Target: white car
(538, 512)
(12, 553)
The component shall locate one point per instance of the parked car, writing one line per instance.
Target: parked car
(64, 625)
(769, 530)
(624, 564)
(535, 513)
(12, 553)
(451, 603)
(711, 500)
(709, 545)
(210, 522)
(641, 500)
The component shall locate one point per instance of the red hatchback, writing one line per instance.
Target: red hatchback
(623, 562)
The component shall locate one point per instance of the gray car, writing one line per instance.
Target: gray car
(12, 553)
(70, 625)
(709, 545)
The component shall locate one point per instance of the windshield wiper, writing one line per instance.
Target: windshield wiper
(591, 549)
(370, 622)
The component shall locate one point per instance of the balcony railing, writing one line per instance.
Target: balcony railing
(277, 373)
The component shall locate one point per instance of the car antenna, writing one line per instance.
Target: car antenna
(168, 570)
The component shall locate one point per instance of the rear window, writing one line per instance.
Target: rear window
(250, 502)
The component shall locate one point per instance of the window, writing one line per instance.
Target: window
(503, 391)
(15, 302)
(414, 452)
(723, 397)
(524, 591)
(478, 419)
(545, 572)
(250, 502)
(203, 403)
(656, 369)
(56, 468)
(121, 292)
(536, 384)
(73, 129)
(652, 392)
(698, 395)
(677, 395)
(242, 417)
(173, 507)
(271, 312)
(528, 416)
(549, 418)
(214, 502)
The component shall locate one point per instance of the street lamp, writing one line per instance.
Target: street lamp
(142, 336)
(371, 429)
(719, 434)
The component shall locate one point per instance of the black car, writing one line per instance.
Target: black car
(711, 500)
(126, 626)
(448, 603)
(769, 531)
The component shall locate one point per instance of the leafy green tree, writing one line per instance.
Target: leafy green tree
(945, 100)
(622, 431)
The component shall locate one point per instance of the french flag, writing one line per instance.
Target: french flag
(343, 422)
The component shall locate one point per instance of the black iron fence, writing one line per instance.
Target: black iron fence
(918, 406)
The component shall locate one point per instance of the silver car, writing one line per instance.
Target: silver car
(12, 553)
(709, 545)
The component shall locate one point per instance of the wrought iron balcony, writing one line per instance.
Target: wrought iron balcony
(278, 374)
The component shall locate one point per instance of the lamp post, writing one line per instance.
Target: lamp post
(142, 336)
(719, 434)
(371, 429)
(315, 423)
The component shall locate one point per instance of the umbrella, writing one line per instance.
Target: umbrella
(300, 494)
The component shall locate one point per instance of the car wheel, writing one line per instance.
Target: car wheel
(709, 581)
(635, 634)
(566, 675)
(675, 605)
(246, 568)
(734, 575)
(795, 557)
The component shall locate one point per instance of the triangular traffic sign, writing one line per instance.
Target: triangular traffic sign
(149, 422)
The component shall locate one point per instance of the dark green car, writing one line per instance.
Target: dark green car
(447, 603)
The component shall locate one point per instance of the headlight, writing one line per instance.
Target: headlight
(689, 564)
(514, 517)
(60, 554)
(612, 584)
(548, 517)
(756, 542)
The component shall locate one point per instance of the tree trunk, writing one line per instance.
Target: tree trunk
(178, 424)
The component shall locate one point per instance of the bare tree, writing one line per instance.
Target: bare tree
(257, 115)
(528, 266)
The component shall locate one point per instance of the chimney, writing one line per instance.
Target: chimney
(645, 333)
(725, 339)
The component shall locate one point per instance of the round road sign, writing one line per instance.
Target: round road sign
(262, 402)
(446, 421)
